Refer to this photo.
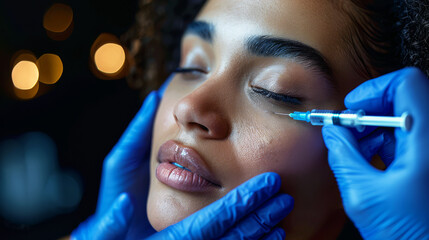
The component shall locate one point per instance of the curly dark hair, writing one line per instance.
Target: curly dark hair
(154, 40)
(389, 35)
(414, 33)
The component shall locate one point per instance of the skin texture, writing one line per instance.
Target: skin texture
(234, 129)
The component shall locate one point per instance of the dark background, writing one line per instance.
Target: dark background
(84, 115)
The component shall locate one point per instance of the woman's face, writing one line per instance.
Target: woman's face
(241, 62)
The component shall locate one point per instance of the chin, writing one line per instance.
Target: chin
(162, 214)
(166, 206)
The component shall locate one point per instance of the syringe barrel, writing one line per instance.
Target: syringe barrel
(357, 119)
(342, 118)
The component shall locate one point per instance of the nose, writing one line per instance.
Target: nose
(202, 113)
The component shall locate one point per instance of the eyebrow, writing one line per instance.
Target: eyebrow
(267, 46)
(202, 29)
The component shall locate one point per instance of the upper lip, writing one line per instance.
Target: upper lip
(172, 151)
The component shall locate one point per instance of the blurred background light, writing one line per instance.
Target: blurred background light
(58, 21)
(26, 94)
(22, 55)
(32, 186)
(108, 59)
(46, 189)
(25, 75)
(50, 68)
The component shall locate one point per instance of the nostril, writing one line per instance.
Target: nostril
(204, 128)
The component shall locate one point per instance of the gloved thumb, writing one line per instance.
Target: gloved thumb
(112, 225)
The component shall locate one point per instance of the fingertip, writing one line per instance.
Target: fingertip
(349, 99)
(152, 99)
(125, 206)
(268, 182)
(288, 202)
(414, 71)
(329, 133)
(272, 179)
(340, 142)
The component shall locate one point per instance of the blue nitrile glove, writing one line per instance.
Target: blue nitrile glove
(251, 211)
(390, 204)
(126, 169)
(113, 224)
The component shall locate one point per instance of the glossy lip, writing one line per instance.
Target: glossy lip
(174, 152)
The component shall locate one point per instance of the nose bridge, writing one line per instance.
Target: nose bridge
(203, 111)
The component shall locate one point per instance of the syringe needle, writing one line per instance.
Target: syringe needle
(284, 114)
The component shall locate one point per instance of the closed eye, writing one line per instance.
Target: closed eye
(189, 70)
(191, 74)
(277, 96)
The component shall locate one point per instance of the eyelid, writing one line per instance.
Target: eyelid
(277, 96)
(189, 70)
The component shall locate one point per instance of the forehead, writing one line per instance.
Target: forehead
(313, 22)
(318, 23)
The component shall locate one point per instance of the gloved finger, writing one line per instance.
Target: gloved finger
(344, 151)
(164, 86)
(376, 96)
(214, 220)
(406, 90)
(113, 225)
(381, 142)
(359, 135)
(388, 148)
(262, 220)
(276, 234)
(121, 165)
(370, 144)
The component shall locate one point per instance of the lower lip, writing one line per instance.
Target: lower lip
(182, 179)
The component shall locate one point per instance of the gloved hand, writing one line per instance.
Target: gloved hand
(390, 204)
(125, 169)
(251, 211)
(113, 224)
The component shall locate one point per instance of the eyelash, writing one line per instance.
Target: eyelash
(268, 94)
(189, 70)
(276, 96)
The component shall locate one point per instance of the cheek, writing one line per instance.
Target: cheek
(294, 151)
(164, 117)
(165, 124)
(298, 155)
(288, 148)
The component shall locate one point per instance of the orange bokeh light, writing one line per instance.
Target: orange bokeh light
(26, 94)
(25, 75)
(109, 60)
(58, 21)
(50, 68)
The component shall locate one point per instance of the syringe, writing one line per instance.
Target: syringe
(351, 118)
